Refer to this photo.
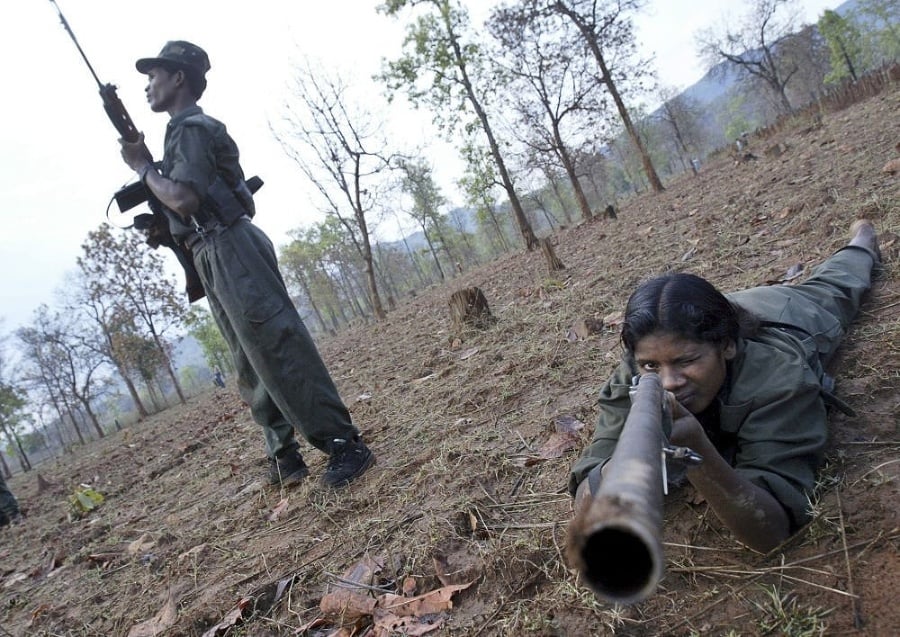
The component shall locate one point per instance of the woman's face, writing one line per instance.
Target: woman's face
(692, 370)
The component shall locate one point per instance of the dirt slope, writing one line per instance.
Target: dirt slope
(188, 532)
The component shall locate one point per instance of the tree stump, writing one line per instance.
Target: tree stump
(553, 262)
(469, 308)
(44, 485)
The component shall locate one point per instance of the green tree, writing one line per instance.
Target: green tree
(145, 299)
(447, 73)
(417, 181)
(844, 44)
(882, 18)
(203, 328)
(298, 262)
(738, 121)
(13, 416)
(478, 183)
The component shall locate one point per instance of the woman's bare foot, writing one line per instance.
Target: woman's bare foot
(863, 235)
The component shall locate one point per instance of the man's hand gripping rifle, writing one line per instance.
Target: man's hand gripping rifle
(154, 225)
(614, 541)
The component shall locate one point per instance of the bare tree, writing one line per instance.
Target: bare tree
(608, 32)
(343, 152)
(808, 50)
(751, 46)
(441, 70)
(682, 116)
(58, 359)
(92, 300)
(551, 87)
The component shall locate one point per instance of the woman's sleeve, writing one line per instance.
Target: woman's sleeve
(615, 403)
(781, 443)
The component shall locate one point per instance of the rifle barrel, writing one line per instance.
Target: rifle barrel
(615, 542)
(65, 24)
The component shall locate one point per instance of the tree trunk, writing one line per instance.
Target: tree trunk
(13, 442)
(412, 260)
(525, 227)
(75, 424)
(553, 262)
(171, 371)
(93, 418)
(135, 397)
(504, 245)
(607, 79)
(22, 455)
(569, 167)
(434, 255)
(129, 384)
(469, 308)
(304, 285)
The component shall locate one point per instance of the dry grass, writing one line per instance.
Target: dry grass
(453, 417)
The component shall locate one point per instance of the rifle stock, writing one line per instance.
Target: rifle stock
(117, 114)
(614, 541)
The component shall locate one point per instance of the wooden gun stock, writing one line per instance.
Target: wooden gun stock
(117, 114)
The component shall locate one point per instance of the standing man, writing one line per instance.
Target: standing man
(9, 507)
(201, 186)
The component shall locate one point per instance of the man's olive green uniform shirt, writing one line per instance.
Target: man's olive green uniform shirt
(197, 149)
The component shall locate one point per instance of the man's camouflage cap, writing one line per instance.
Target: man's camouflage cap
(182, 54)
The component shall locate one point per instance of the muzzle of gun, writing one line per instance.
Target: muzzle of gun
(615, 542)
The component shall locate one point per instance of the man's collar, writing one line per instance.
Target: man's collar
(180, 117)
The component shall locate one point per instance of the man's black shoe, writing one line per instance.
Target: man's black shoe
(287, 470)
(14, 519)
(349, 459)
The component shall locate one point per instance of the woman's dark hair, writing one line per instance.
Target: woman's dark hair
(686, 305)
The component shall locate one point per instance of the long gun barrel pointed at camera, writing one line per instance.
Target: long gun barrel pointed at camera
(614, 542)
(154, 225)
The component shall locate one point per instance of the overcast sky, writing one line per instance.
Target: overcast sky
(61, 163)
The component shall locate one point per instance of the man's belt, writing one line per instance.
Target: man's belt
(204, 230)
